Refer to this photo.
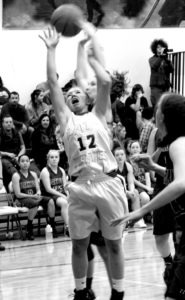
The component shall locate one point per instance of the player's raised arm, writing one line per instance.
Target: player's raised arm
(51, 40)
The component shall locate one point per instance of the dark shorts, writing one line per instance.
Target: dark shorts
(97, 239)
(163, 220)
(31, 202)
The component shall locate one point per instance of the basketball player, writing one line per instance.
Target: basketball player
(92, 166)
(171, 107)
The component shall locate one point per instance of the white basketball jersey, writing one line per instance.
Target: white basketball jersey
(87, 145)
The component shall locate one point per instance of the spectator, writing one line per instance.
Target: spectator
(53, 182)
(161, 68)
(20, 117)
(27, 191)
(43, 139)
(145, 124)
(4, 94)
(120, 136)
(142, 178)
(135, 102)
(2, 190)
(43, 86)
(36, 107)
(118, 95)
(125, 169)
(63, 157)
(11, 147)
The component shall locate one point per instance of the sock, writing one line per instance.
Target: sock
(29, 225)
(89, 282)
(117, 284)
(168, 259)
(80, 283)
(52, 222)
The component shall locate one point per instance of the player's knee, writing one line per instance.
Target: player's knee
(80, 246)
(114, 247)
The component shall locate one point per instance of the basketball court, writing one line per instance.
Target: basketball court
(39, 270)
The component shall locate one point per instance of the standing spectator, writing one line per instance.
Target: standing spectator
(91, 6)
(161, 68)
(43, 139)
(135, 102)
(36, 107)
(4, 94)
(20, 117)
(11, 147)
(53, 182)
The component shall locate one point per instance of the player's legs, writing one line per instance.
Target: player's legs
(80, 266)
(116, 260)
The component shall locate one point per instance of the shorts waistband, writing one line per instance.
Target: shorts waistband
(112, 173)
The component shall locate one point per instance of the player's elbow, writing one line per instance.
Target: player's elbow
(107, 82)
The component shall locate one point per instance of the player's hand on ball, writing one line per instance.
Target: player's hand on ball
(88, 28)
(50, 37)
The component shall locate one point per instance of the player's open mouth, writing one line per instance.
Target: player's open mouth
(75, 100)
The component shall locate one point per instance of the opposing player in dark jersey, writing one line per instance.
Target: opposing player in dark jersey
(170, 120)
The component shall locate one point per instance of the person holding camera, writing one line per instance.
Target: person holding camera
(161, 68)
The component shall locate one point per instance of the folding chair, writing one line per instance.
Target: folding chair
(8, 210)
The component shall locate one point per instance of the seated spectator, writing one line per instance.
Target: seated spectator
(135, 102)
(145, 124)
(2, 190)
(119, 135)
(142, 178)
(36, 107)
(43, 139)
(27, 191)
(11, 147)
(4, 94)
(125, 169)
(127, 144)
(20, 117)
(63, 157)
(43, 86)
(53, 182)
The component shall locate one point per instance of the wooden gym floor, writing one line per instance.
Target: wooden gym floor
(38, 270)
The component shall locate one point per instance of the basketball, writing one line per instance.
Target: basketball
(65, 18)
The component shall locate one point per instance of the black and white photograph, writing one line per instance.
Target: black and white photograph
(92, 150)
